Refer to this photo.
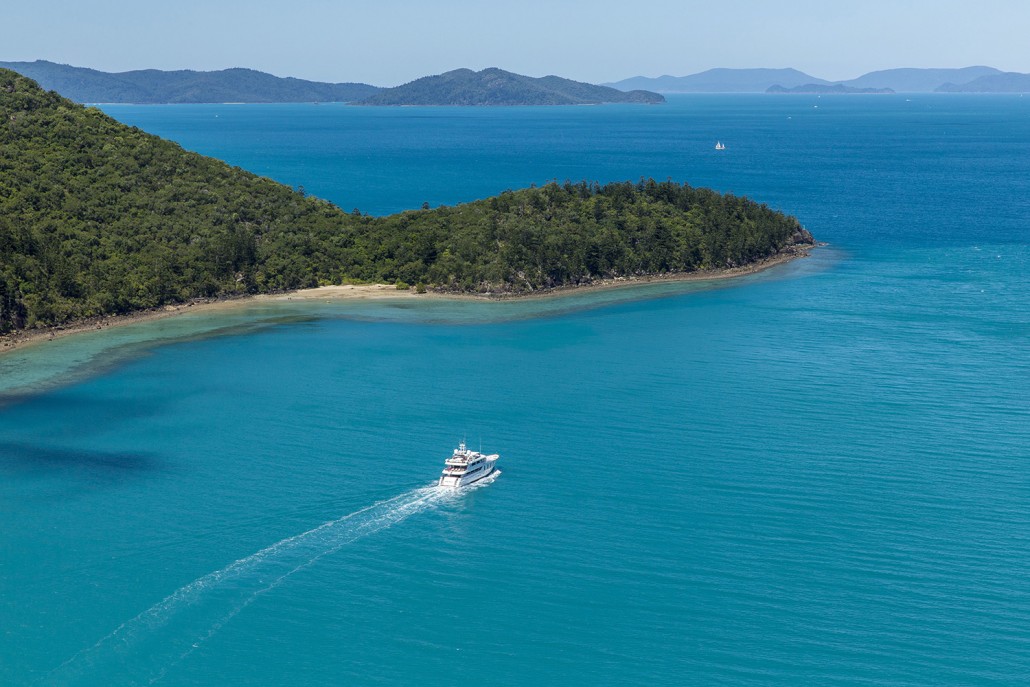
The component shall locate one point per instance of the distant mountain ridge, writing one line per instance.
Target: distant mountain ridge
(720, 81)
(496, 87)
(459, 87)
(908, 80)
(978, 79)
(1002, 82)
(828, 89)
(487, 87)
(151, 86)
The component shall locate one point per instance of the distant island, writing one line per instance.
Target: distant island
(1005, 82)
(909, 80)
(826, 89)
(719, 81)
(496, 87)
(904, 80)
(152, 86)
(98, 218)
(489, 87)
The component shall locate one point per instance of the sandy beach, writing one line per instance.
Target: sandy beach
(19, 339)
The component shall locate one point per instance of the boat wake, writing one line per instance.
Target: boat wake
(142, 650)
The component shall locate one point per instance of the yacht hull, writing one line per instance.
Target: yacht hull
(458, 481)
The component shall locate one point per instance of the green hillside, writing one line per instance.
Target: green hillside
(100, 218)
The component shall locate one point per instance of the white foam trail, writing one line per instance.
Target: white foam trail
(202, 607)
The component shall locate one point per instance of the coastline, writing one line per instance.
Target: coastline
(19, 339)
(789, 254)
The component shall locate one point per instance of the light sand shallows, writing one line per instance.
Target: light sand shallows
(11, 341)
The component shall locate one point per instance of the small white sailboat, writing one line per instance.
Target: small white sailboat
(719, 145)
(466, 466)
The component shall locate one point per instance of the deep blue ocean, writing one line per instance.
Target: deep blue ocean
(815, 475)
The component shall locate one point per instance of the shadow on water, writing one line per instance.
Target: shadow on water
(82, 415)
(92, 463)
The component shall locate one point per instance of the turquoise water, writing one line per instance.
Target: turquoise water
(815, 475)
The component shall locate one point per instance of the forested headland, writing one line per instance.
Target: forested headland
(98, 218)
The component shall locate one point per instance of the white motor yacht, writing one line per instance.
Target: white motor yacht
(466, 466)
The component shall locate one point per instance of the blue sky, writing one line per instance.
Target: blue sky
(388, 42)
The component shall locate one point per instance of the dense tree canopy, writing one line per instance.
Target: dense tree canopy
(99, 218)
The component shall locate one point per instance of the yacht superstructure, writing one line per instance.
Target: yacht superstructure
(466, 466)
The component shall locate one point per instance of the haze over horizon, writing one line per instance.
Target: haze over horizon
(396, 41)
